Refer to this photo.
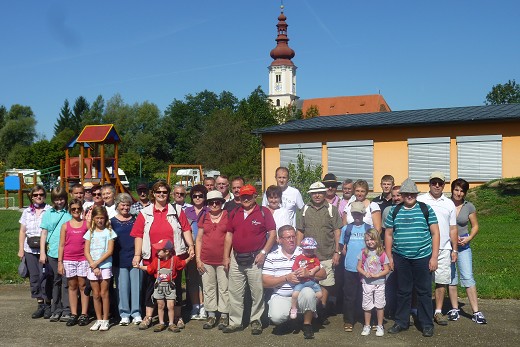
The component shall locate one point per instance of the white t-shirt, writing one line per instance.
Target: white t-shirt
(281, 218)
(291, 200)
(446, 214)
(374, 206)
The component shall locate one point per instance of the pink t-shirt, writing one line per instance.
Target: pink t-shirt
(74, 248)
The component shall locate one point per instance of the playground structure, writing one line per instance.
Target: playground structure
(92, 164)
(19, 181)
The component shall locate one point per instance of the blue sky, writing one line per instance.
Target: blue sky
(418, 54)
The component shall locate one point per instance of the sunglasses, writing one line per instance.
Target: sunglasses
(437, 183)
(330, 185)
(38, 194)
(141, 192)
(197, 196)
(96, 194)
(214, 202)
(88, 191)
(74, 209)
(179, 194)
(165, 192)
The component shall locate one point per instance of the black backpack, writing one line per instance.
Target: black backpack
(422, 205)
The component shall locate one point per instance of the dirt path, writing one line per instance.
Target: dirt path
(18, 329)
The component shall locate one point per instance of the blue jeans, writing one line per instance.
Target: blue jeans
(465, 267)
(413, 273)
(129, 290)
(307, 284)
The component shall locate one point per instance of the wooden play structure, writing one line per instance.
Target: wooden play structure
(92, 164)
(186, 174)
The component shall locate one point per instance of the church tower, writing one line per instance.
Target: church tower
(282, 71)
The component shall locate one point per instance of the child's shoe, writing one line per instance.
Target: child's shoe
(96, 325)
(294, 313)
(104, 325)
(366, 330)
(478, 318)
(380, 330)
(453, 314)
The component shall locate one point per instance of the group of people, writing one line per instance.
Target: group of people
(299, 260)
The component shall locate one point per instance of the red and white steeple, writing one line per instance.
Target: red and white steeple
(282, 71)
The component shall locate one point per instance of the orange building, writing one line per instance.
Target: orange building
(477, 143)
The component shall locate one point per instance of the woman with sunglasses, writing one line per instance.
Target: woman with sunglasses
(195, 212)
(97, 200)
(209, 254)
(160, 221)
(30, 231)
(73, 264)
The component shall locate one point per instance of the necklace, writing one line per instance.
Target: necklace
(216, 217)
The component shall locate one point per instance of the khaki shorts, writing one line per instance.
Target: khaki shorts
(329, 281)
(443, 273)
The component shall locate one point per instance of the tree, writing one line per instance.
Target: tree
(303, 175)
(80, 110)
(19, 129)
(95, 114)
(64, 120)
(312, 111)
(507, 93)
(3, 116)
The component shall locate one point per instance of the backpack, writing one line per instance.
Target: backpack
(306, 207)
(422, 205)
(348, 231)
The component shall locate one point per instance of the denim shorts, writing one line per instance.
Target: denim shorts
(465, 268)
(308, 284)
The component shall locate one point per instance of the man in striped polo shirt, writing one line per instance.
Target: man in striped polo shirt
(278, 274)
(412, 245)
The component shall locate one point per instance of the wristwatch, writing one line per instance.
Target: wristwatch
(262, 251)
(338, 252)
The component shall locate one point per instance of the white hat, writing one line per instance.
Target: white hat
(317, 187)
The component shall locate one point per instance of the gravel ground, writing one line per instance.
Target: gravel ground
(18, 329)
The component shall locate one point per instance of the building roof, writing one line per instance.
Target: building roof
(105, 133)
(453, 115)
(347, 105)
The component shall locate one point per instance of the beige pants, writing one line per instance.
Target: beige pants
(239, 276)
(215, 288)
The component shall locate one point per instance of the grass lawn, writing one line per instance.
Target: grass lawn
(495, 250)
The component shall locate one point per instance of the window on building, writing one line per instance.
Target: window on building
(426, 155)
(311, 152)
(479, 157)
(277, 102)
(352, 159)
(278, 78)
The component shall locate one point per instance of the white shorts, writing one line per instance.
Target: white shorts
(105, 274)
(443, 273)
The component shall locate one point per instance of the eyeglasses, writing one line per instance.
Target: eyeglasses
(88, 191)
(179, 194)
(288, 237)
(74, 209)
(214, 202)
(437, 183)
(165, 192)
(96, 194)
(223, 184)
(198, 196)
(38, 194)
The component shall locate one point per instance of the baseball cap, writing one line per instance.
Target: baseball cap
(142, 186)
(247, 190)
(88, 185)
(163, 244)
(357, 206)
(439, 175)
(309, 243)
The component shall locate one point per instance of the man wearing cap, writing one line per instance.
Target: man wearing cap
(411, 244)
(250, 235)
(331, 183)
(142, 191)
(87, 186)
(237, 183)
(447, 216)
(385, 199)
(291, 197)
(320, 220)
(278, 274)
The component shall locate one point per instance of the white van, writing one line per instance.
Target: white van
(122, 176)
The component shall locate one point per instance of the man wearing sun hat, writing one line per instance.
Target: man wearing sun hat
(412, 245)
(447, 216)
(251, 233)
(331, 183)
(320, 220)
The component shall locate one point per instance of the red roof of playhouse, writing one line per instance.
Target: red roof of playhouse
(105, 133)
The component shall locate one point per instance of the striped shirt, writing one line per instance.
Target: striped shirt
(277, 264)
(412, 238)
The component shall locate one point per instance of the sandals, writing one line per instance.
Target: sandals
(83, 320)
(73, 320)
(145, 324)
(293, 313)
(348, 327)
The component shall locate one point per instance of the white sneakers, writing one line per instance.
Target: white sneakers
(101, 325)
(366, 330)
(137, 320)
(380, 331)
(124, 321)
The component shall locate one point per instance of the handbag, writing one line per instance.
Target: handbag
(245, 259)
(22, 268)
(33, 242)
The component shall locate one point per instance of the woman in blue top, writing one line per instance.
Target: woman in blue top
(466, 214)
(126, 277)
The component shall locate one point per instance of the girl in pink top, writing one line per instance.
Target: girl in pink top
(72, 262)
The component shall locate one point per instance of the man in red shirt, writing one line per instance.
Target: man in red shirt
(252, 233)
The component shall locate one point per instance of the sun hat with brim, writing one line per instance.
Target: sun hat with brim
(357, 206)
(330, 179)
(317, 187)
(439, 175)
(163, 244)
(214, 195)
(408, 186)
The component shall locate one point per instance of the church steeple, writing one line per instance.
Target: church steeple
(282, 71)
